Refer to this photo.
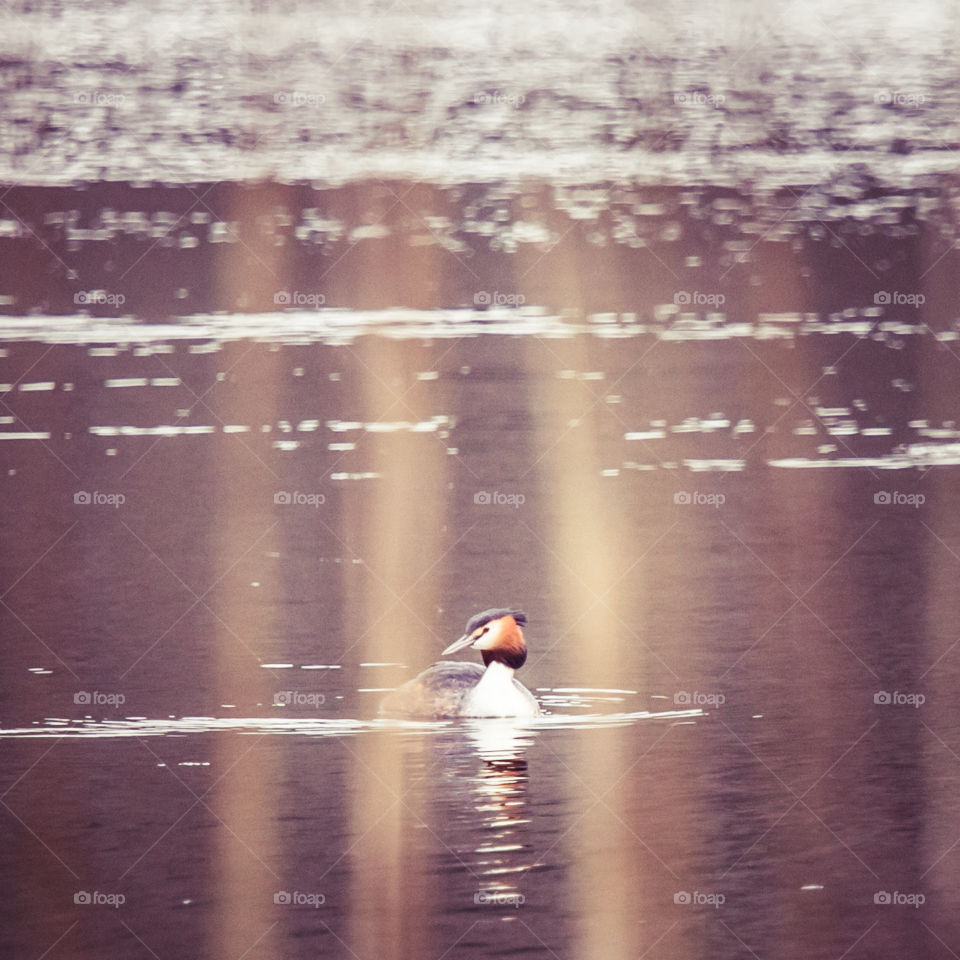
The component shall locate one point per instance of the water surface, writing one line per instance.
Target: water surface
(219, 552)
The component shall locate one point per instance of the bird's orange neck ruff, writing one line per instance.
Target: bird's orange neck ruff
(510, 648)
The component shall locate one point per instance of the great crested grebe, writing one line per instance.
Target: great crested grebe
(451, 689)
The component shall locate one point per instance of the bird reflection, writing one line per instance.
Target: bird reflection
(497, 798)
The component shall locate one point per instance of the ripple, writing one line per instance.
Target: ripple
(57, 727)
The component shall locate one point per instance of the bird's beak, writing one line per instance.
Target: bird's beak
(464, 641)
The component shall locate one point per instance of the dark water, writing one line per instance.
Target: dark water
(783, 602)
(321, 331)
(649, 253)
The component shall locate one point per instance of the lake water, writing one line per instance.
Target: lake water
(191, 669)
(312, 346)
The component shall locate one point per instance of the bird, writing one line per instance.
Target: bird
(452, 689)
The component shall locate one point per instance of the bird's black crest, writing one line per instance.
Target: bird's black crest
(478, 620)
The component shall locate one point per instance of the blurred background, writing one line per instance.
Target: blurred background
(326, 326)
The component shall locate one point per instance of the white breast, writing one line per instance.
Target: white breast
(499, 695)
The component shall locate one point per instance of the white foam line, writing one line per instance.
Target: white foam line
(866, 463)
(292, 325)
(717, 466)
(560, 701)
(126, 382)
(916, 455)
(164, 430)
(339, 326)
(108, 729)
(558, 721)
